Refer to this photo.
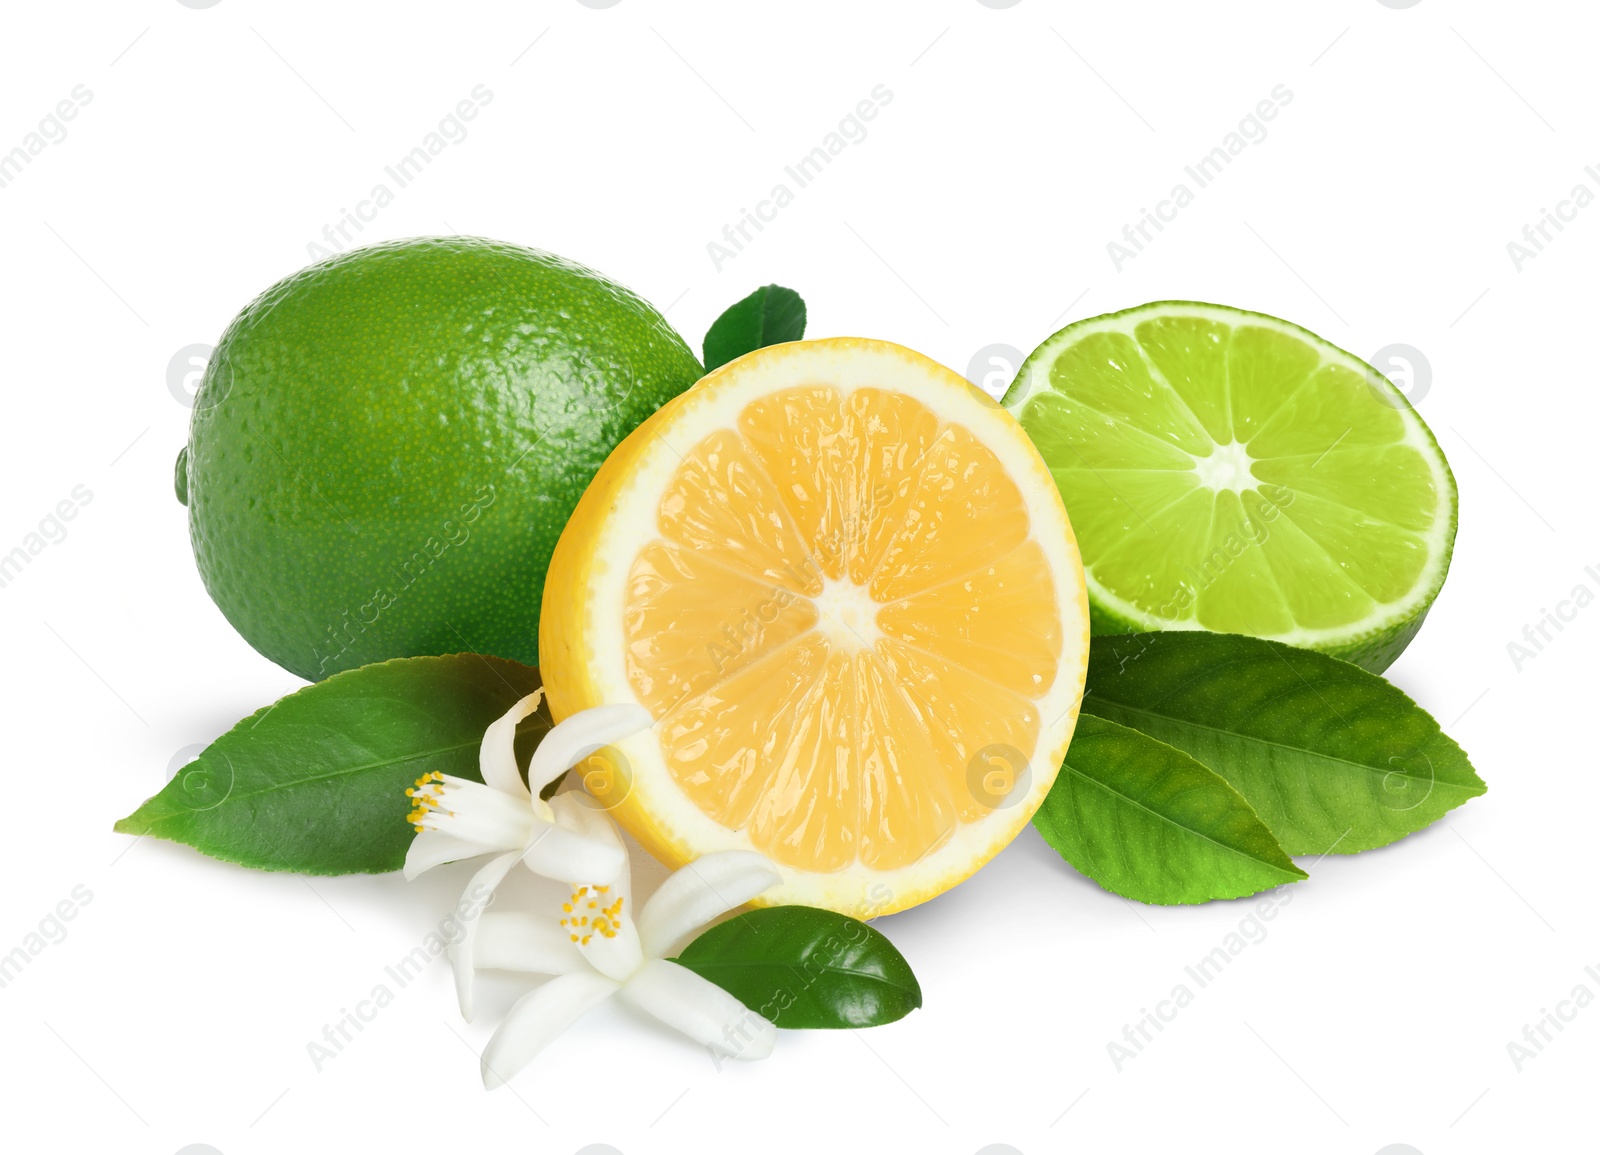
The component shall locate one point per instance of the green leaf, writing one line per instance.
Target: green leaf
(1150, 823)
(1333, 758)
(316, 783)
(769, 316)
(806, 968)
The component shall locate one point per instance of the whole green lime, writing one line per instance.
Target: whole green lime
(386, 445)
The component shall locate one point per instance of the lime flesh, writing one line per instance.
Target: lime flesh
(1229, 471)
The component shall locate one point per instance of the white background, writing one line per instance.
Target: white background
(977, 210)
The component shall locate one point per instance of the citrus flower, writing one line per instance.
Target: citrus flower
(597, 946)
(457, 818)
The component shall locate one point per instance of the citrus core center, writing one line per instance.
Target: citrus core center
(1228, 467)
(847, 614)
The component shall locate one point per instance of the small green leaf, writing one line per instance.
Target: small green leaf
(769, 316)
(806, 968)
(1150, 823)
(316, 783)
(1333, 758)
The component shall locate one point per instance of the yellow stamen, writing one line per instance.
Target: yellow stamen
(607, 921)
(427, 792)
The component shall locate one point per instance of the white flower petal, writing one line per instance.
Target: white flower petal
(497, 755)
(472, 812)
(574, 739)
(479, 891)
(518, 941)
(432, 848)
(700, 1009)
(560, 853)
(578, 812)
(537, 1018)
(581, 813)
(616, 956)
(695, 894)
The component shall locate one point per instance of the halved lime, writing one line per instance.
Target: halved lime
(1229, 471)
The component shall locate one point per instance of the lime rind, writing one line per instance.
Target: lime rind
(1385, 501)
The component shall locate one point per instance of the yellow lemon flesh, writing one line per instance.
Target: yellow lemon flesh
(843, 584)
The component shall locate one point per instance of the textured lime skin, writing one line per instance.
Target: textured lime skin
(1375, 652)
(386, 446)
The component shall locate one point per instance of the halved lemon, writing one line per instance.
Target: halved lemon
(842, 582)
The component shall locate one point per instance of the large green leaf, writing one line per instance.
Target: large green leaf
(806, 968)
(768, 316)
(1150, 823)
(316, 783)
(1333, 758)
